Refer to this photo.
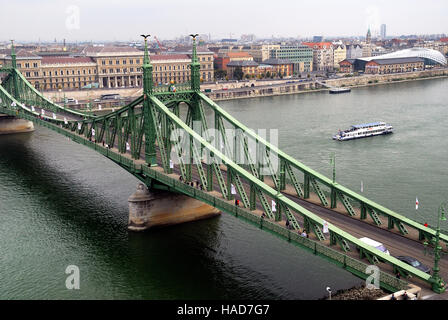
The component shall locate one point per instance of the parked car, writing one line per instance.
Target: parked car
(375, 244)
(415, 263)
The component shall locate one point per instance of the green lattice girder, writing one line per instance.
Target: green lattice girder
(321, 178)
(312, 219)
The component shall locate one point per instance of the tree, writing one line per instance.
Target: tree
(268, 74)
(220, 74)
(247, 76)
(238, 73)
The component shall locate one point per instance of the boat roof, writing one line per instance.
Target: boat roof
(365, 125)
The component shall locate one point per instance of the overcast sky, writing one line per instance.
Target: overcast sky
(77, 20)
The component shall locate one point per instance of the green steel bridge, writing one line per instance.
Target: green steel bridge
(138, 137)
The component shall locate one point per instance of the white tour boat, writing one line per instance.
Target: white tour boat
(363, 131)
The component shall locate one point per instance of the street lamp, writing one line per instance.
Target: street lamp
(333, 164)
(329, 292)
(438, 285)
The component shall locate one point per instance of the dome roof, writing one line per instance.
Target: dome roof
(433, 55)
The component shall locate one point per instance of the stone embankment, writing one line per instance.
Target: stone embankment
(310, 86)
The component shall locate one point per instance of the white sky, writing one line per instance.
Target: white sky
(31, 20)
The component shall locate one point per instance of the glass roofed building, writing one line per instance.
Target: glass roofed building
(430, 56)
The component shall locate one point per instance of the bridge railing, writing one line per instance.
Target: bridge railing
(387, 281)
(172, 87)
(32, 96)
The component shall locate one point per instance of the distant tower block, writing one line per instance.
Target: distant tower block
(162, 208)
(383, 31)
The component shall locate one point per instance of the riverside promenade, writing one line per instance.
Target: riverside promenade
(255, 88)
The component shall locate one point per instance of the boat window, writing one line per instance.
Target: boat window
(415, 263)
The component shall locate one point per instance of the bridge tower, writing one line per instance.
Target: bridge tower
(9, 124)
(15, 88)
(195, 103)
(155, 205)
(195, 67)
(149, 131)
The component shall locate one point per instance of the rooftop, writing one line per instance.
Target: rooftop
(241, 54)
(430, 54)
(317, 45)
(245, 63)
(366, 125)
(274, 61)
(20, 54)
(397, 60)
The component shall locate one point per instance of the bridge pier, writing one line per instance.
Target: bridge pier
(9, 125)
(156, 208)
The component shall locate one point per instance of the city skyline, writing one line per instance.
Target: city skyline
(118, 20)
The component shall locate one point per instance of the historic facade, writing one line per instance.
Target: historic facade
(105, 67)
(117, 66)
(394, 65)
(28, 63)
(67, 72)
(339, 54)
(170, 67)
(323, 55)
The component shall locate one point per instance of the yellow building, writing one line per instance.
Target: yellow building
(68, 72)
(28, 63)
(170, 67)
(109, 67)
(117, 66)
(247, 67)
(339, 53)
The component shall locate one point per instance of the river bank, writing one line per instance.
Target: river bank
(357, 293)
(304, 87)
(272, 89)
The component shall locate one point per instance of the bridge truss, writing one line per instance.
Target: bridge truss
(174, 135)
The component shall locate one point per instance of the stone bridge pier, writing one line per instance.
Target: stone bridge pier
(10, 125)
(157, 208)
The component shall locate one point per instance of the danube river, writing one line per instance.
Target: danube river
(63, 204)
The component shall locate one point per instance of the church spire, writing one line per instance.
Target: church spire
(369, 36)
